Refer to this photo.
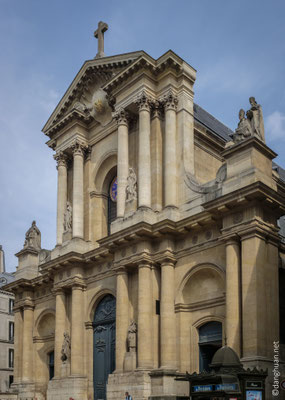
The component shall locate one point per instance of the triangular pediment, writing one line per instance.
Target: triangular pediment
(85, 89)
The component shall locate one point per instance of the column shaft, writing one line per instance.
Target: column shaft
(144, 174)
(122, 318)
(145, 315)
(167, 317)
(18, 345)
(60, 315)
(78, 197)
(61, 195)
(27, 366)
(170, 159)
(123, 163)
(77, 331)
(233, 296)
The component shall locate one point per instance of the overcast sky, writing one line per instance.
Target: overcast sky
(236, 46)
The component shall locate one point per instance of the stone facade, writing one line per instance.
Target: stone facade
(195, 239)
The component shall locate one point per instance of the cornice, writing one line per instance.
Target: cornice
(218, 301)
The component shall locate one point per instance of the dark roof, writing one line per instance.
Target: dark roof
(280, 170)
(225, 357)
(6, 278)
(210, 122)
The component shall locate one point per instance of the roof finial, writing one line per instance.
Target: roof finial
(99, 34)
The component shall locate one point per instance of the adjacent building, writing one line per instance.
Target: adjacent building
(6, 329)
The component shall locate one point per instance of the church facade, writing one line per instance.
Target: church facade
(167, 239)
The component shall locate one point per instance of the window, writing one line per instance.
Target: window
(112, 203)
(11, 358)
(11, 306)
(11, 380)
(51, 364)
(11, 331)
(210, 340)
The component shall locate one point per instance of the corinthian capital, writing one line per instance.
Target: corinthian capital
(61, 159)
(170, 101)
(122, 117)
(78, 148)
(144, 102)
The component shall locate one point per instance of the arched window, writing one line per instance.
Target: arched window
(112, 203)
(210, 340)
(51, 364)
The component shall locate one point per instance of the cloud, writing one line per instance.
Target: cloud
(275, 126)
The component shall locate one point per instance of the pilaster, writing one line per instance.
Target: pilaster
(122, 317)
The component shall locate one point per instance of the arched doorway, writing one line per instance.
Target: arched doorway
(104, 326)
(210, 340)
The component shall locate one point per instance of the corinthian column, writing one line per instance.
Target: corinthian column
(170, 161)
(123, 161)
(78, 197)
(61, 194)
(144, 175)
(167, 317)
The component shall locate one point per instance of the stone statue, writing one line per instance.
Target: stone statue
(244, 128)
(255, 117)
(67, 224)
(66, 346)
(132, 337)
(33, 237)
(131, 189)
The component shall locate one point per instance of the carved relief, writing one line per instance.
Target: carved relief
(33, 237)
(94, 104)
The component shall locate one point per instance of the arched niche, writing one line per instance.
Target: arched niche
(203, 283)
(45, 324)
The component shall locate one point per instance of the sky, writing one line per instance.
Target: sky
(236, 46)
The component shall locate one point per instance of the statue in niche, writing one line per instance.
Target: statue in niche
(131, 189)
(132, 337)
(66, 346)
(255, 116)
(67, 223)
(33, 237)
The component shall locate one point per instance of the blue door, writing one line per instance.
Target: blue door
(104, 326)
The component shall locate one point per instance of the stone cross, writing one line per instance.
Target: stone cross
(99, 34)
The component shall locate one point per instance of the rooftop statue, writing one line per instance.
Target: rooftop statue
(255, 117)
(253, 125)
(33, 237)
